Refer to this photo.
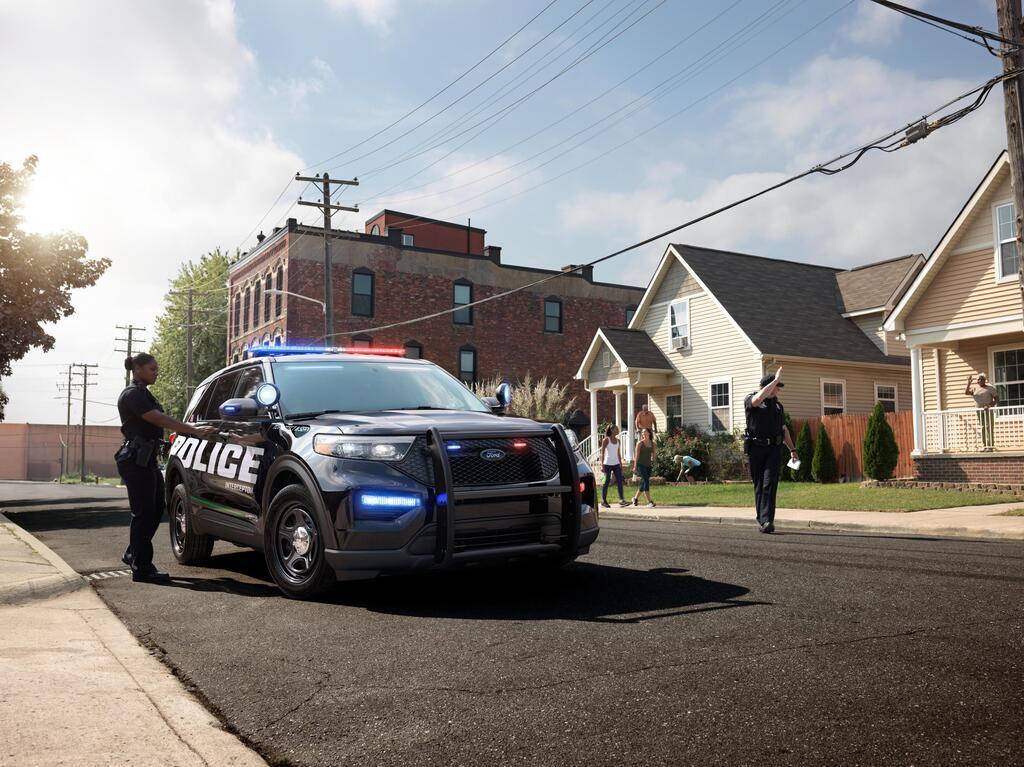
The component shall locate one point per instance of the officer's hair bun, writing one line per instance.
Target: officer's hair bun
(140, 359)
(127, 363)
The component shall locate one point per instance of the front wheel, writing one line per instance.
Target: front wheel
(294, 545)
(188, 546)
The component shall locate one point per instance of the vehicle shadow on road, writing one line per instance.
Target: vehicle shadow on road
(582, 592)
(116, 514)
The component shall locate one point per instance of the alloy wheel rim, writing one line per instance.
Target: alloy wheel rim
(180, 526)
(296, 543)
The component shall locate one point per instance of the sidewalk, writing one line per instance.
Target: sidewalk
(78, 688)
(963, 521)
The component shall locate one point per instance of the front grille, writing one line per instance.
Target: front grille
(537, 462)
(483, 539)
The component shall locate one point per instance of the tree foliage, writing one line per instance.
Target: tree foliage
(880, 449)
(540, 399)
(805, 450)
(37, 273)
(824, 466)
(209, 334)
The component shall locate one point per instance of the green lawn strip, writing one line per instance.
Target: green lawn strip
(1011, 513)
(844, 497)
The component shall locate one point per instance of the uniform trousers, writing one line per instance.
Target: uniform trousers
(145, 486)
(764, 470)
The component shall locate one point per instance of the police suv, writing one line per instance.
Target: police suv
(343, 465)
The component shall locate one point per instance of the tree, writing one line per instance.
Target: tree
(824, 466)
(805, 451)
(37, 273)
(209, 334)
(541, 400)
(880, 449)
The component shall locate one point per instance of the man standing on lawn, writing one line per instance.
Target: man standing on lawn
(762, 441)
(985, 398)
(645, 420)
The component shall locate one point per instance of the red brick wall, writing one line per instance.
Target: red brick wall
(990, 469)
(429, 234)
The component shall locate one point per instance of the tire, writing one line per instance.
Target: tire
(294, 545)
(188, 546)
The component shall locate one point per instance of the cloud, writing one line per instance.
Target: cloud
(296, 89)
(874, 24)
(144, 148)
(888, 205)
(374, 13)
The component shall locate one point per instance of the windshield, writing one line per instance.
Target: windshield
(345, 386)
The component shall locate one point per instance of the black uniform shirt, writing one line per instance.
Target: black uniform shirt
(131, 405)
(766, 421)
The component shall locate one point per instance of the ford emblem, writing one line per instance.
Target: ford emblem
(492, 455)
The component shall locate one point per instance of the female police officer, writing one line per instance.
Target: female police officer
(143, 423)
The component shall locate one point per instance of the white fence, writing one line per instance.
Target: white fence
(968, 430)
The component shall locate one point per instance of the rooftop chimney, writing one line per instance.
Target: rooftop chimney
(394, 236)
(292, 223)
(261, 237)
(493, 252)
(580, 270)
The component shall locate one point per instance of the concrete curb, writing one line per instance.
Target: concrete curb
(817, 524)
(64, 580)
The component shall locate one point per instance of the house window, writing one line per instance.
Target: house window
(236, 321)
(1006, 250)
(1008, 376)
(280, 286)
(833, 397)
(673, 412)
(886, 394)
(408, 240)
(467, 365)
(414, 350)
(268, 284)
(277, 340)
(679, 323)
(630, 313)
(462, 294)
(552, 315)
(375, 230)
(362, 342)
(256, 303)
(362, 293)
(720, 397)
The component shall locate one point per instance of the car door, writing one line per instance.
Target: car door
(246, 454)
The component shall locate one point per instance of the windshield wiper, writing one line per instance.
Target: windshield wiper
(310, 414)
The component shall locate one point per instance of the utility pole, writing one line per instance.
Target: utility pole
(129, 342)
(188, 351)
(85, 373)
(65, 458)
(326, 207)
(1009, 14)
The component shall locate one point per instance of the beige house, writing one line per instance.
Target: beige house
(961, 316)
(712, 322)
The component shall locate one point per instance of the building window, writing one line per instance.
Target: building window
(256, 303)
(268, 284)
(237, 316)
(673, 412)
(720, 397)
(362, 293)
(679, 323)
(467, 365)
(886, 394)
(245, 309)
(408, 240)
(278, 303)
(552, 315)
(606, 358)
(414, 350)
(462, 294)
(362, 342)
(1006, 249)
(833, 397)
(1008, 376)
(375, 230)
(630, 313)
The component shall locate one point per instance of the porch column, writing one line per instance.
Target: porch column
(631, 415)
(593, 421)
(618, 409)
(917, 397)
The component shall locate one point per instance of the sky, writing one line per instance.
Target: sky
(167, 129)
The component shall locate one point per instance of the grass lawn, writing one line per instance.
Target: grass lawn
(1011, 513)
(90, 479)
(800, 495)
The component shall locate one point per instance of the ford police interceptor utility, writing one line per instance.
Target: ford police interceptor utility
(346, 465)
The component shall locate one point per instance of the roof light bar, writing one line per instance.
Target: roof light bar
(285, 351)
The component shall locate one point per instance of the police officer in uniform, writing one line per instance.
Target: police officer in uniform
(766, 433)
(142, 424)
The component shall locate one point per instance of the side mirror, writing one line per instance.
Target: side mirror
(496, 407)
(504, 394)
(240, 409)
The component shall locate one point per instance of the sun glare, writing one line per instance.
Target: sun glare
(45, 208)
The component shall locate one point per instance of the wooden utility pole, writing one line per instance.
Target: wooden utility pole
(1009, 14)
(129, 342)
(188, 351)
(326, 207)
(65, 458)
(84, 372)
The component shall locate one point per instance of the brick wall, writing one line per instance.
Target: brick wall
(985, 469)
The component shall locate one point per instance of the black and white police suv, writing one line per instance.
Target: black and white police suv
(342, 465)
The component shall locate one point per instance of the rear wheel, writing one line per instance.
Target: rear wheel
(294, 545)
(189, 547)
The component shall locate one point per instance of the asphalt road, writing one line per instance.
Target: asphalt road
(672, 643)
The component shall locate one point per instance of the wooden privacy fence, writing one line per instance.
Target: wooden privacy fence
(847, 435)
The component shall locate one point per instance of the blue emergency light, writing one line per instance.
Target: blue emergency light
(385, 506)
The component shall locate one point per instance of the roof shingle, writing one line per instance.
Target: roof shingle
(636, 349)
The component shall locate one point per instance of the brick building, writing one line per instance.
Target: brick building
(405, 266)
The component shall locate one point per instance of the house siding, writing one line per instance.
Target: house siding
(955, 365)
(871, 325)
(599, 375)
(802, 392)
(965, 287)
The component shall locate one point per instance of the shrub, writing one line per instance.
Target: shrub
(720, 453)
(540, 399)
(824, 467)
(805, 451)
(880, 449)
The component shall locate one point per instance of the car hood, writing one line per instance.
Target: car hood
(421, 421)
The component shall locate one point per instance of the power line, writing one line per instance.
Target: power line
(948, 25)
(912, 132)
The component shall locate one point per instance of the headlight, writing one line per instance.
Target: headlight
(363, 448)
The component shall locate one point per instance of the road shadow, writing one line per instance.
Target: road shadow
(21, 503)
(46, 520)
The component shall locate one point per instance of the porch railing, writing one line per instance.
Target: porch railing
(969, 430)
(589, 450)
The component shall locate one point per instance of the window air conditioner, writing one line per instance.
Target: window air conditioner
(680, 342)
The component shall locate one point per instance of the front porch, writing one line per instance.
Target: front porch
(970, 430)
(625, 391)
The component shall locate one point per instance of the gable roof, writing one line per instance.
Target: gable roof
(875, 286)
(634, 349)
(785, 308)
(943, 248)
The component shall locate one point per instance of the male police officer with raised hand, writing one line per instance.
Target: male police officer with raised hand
(765, 434)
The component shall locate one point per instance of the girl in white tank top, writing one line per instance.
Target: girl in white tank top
(612, 464)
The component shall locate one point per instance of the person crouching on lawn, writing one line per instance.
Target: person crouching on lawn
(643, 464)
(688, 466)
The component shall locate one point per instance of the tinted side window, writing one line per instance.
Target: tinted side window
(221, 390)
(193, 410)
(248, 380)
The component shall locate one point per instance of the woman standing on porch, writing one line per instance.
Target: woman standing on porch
(611, 462)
